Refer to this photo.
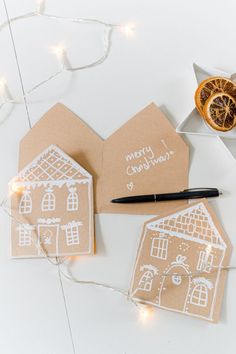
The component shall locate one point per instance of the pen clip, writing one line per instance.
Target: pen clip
(199, 189)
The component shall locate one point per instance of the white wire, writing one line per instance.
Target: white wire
(61, 261)
(107, 41)
(108, 30)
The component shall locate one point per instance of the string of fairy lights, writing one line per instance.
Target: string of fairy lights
(64, 66)
(65, 270)
(60, 50)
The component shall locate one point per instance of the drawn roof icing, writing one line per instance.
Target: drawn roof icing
(53, 165)
(193, 223)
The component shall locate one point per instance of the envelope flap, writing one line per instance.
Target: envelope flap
(62, 127)
(144, 156)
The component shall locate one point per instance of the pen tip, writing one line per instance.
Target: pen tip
(117, 200)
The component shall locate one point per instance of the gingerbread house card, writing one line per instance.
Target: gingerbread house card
(52, 207)
(144, 156)
(180, 262)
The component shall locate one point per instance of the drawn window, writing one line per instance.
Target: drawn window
(24, 236)
(72, 234)
(25, 206)
(145, 282)
(159, 248)
(72, 201)
(199, 295)
(48, 201)
(205, 262)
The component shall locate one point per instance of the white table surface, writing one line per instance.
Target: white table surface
(154, 65)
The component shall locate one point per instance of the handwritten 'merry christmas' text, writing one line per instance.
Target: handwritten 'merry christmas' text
(145, 158)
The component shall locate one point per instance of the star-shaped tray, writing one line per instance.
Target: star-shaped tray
(194, 124)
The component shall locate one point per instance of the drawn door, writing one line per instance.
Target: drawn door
(174, 288)
(48, 238)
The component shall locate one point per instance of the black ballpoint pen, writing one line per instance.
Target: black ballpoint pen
(193, 193)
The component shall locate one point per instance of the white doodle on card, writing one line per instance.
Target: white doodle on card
(165, 145)
(130, 186)
(188, 283)
(47, 237)
(53, 185)
(148, 274)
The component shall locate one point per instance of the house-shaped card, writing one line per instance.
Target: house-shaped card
(181, 262)
(52, 207)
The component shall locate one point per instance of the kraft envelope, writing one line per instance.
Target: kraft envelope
(180, 262)
(144, 156)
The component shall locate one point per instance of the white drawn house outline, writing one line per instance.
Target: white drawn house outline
(217, 241)
(61, 170)
(32, 173)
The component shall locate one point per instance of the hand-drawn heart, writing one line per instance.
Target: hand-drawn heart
(130, 186)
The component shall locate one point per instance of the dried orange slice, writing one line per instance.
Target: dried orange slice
(213, 85)
(220, 111)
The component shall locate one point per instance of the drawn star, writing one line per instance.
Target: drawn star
(194, 124)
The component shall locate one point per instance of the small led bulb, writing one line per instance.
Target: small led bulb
(16, 187)
(145, 313)
(40, 6)
(2, 85)
(128, 29)
(58, 50)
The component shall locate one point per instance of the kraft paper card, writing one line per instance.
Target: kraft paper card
(52, 207)
(180, 261)
(144, 156)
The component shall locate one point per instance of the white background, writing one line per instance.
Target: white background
(154, 65)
